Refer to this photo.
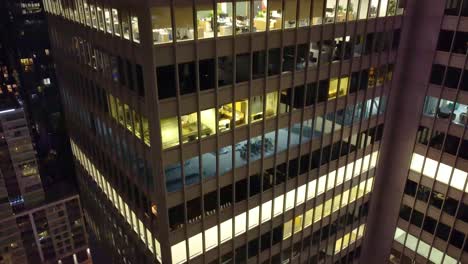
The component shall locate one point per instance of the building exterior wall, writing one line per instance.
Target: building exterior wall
(255, 142)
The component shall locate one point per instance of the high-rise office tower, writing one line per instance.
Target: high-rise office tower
(265, 131)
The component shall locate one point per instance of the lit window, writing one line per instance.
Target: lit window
(125, 25)
(260, 8)
(290, 13)
(161, 21)
(338, 87)
(108, 19)
(205, 21)
(169, 132)
(208, 122)
(184, 22)
(135, 29)
(276, 15)
(242, 17)
(115, 19)
(224, 20)
(189, 127)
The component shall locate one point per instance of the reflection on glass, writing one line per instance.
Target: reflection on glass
(242, 17)
(260, 8)
(184, 22)
(161, 21)
(169, 132)
(224, 20)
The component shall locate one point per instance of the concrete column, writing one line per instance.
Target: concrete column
(419, 37)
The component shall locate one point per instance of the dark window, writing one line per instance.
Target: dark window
(443, 231)
(166, 82)
(452, 78)
(242, 68)
(445, 40)
(241, 190)
(288, 59)
(176, 216)
(140, 80)
(211, 201)
(437, 74)
(452, 7)
(121, 73)
(207, 74)
(460, 43)
(457, 238)
(411, 187)
(187, 78)
(429, 225)
(258, 64)
(274, 58)
(194, 209)
(130, 75)
(225, 71)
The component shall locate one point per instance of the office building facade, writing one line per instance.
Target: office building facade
(226, 131)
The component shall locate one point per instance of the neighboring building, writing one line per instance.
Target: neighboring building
(51, 233)
(18, 165)
(37, 224)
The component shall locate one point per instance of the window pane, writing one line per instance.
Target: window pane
(161, 21)
(169, 132)
(115, 19)
(125, 25)
(146, 135)
(317, 11)
(100, 14)
(189, 127)
(242, 17)
(290, 13)
(184, 22)
(260, 8)
(135, 29)
(224, 20)
(275, 14)
(107, 17)
(205, 20)
(225, 117)
(93, 15)
(208, 122)
(271, 104)
(304, 13)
